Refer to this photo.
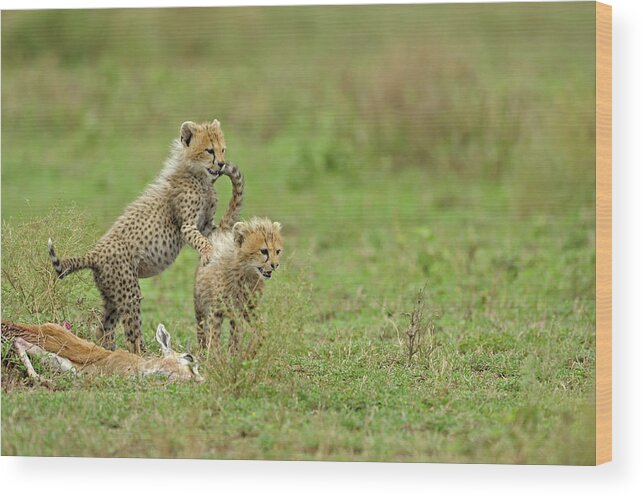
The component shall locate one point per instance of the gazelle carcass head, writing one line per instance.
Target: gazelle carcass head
(179, 366)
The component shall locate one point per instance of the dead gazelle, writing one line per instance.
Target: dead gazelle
(64, 351)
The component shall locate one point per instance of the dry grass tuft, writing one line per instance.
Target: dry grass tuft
(420, 338)
(30, 290)
(268, 342)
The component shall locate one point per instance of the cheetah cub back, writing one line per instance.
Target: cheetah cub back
(230, 286)
(177, 208)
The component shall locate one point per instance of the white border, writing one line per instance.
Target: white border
(624, 476)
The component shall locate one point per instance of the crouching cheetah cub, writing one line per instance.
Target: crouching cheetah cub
(174, 210)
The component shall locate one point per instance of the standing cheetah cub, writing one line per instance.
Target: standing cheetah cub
(232, 283)
(243, 255)
(175, 209)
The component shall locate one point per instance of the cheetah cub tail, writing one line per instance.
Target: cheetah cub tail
(67, 266)
(233, 210)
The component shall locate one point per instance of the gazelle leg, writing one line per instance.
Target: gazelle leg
(54, 361)
(21, 347)
(51, 360)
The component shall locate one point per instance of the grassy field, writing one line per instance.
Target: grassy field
(444, 147)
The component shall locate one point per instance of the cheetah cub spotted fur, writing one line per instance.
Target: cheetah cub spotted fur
(177, 208)
(230, 286)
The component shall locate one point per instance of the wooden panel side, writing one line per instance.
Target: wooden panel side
(603, 233)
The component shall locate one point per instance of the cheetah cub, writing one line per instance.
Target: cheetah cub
(244, 255)
(177, 208)
(230, 286)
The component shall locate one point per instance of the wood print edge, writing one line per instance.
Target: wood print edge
(603, 233)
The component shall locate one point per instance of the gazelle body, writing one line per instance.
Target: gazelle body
(64, 351)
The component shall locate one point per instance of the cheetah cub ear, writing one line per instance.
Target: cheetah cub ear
(188, 129)
(239, 231)
(276, 226)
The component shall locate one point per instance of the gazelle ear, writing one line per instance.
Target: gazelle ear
(188, 128)
(239, 231)
(163, 338)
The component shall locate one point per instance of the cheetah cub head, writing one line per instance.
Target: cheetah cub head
(204, 147)
(259, 245)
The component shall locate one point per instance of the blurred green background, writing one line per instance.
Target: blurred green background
(450, 146)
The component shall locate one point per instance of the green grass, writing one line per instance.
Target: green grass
(451, 147)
